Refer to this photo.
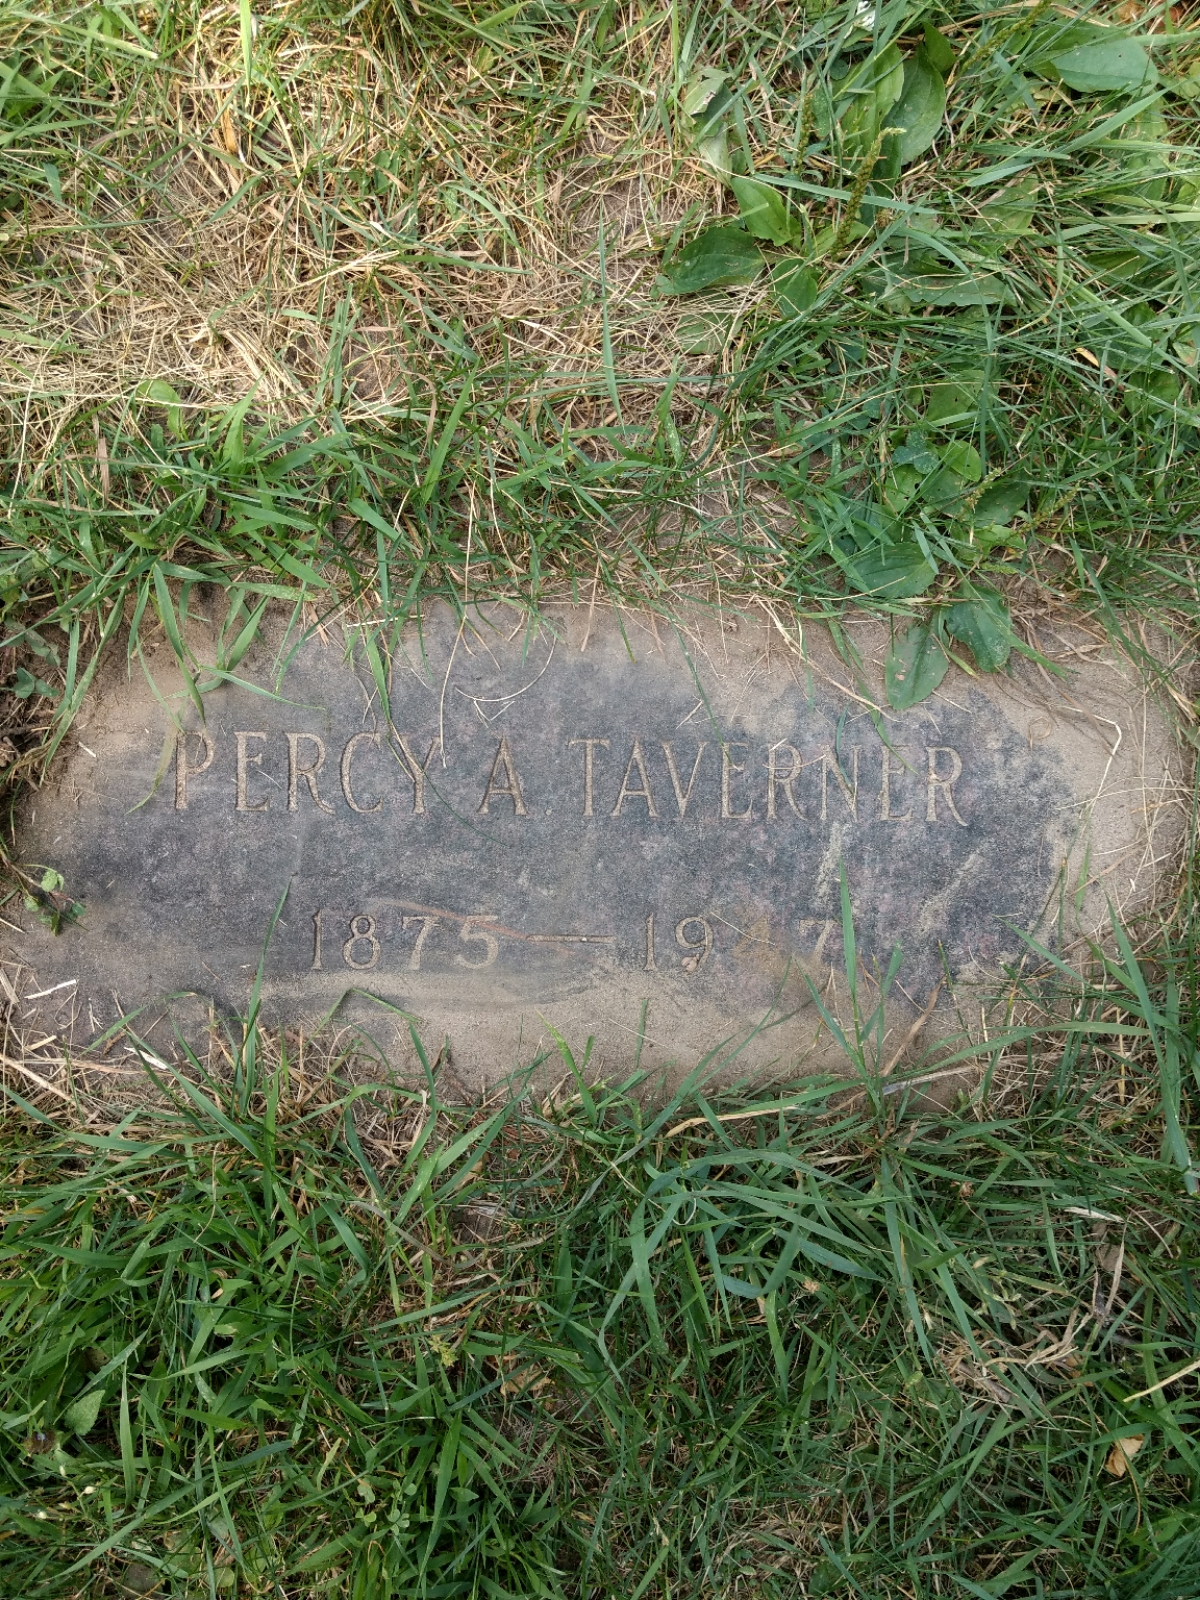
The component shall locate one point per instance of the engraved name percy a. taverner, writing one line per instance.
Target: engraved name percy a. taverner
(734, 794)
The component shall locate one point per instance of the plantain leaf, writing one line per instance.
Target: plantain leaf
(703, 332)
(1001, 500)
(939, 49)
(1142, 150)
(920, 109)
(1009, 214)
(161, 393)
(718, 256)
(1111, 66)
(713, 150)
(916, 664)
(983, 622)
(763, 210)
(962, 459)
(892, 572)
(957, 289)
(701, 89)
(233, 448)
(954, 403)
(795, 286)
(865, 97)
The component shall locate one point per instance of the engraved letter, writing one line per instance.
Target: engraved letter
(787, 779)
(296, 771)
(183, 771)
(588, 746)
(885, 791)
(830, 763)
(347, 757)
(495, 790)
(472, 933)
(682, 796)
(362, 931)
(415, 770)
(935, 783)
(427, 923)
(701, 948)
(637, 760)
(316, 960)
(651, 964)
(244, 761)
(729, 767)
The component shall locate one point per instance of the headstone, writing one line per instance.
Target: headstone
(605, 823)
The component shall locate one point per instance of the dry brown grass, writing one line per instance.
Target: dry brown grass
(311, 239)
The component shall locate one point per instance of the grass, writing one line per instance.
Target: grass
(289, 1337)
(287, 1328)
(372, 303)
(348, 306)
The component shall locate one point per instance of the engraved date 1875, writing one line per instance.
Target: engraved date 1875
(360, 941)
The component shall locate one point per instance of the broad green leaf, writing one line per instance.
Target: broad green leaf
(824, 238)
(719, 256)
(942, 488)
(1115, 266)
(707, 100)
(956, 289)
(80, 1416)
(900, 488)
(881, 76)
(920, 109)
(916, 664)
(713, 150)
(892, 572)
(887, 168)
(939, 49)
(1135, 342)
(962, 459)
(161, 393)
(865, 97)
(1148, 393)
(983, 623)
(1000, 501)
(795, 285)
(26, 685)
(700, 90)
(955, 402)
(1009, 214)
(916, 452)
(233, 450)
(703, 332)
(763, 209)
(1113, 66)
(1142, 151)
(982, 538)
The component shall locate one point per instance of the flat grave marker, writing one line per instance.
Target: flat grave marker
(605, 823)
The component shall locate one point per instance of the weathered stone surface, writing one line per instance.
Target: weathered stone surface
(612, 824)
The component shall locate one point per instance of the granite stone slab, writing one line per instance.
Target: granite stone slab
(605, 823)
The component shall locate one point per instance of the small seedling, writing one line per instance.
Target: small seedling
(56, 909)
